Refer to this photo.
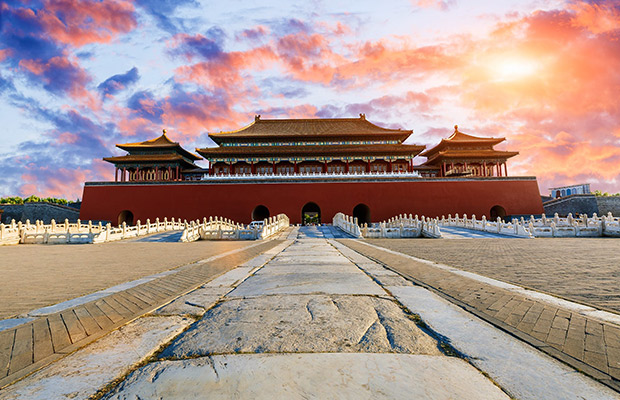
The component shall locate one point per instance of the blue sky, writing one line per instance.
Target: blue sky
(79, 76)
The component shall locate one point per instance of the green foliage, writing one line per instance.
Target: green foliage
(32, 199)
(604, 194)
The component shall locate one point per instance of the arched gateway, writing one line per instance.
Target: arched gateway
(125, 216)
(497, 211)
(362, 213)
(260, 213)
(311, 214)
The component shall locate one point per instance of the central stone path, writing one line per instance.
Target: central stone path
(310, 323)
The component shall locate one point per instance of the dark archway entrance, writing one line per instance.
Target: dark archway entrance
(125, 216)
(497, 211)
(260, 213)
(362, 213)
(311, 214)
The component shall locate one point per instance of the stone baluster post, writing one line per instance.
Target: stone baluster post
(2, 231)
(148, 225)
(499, 224)
(124, 227)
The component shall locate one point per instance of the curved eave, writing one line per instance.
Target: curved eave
(175, 146)
(477, 156)
(447, 143)
(308, 151)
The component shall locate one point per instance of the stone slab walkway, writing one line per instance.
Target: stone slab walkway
(585, 342)
(309, 324)
(29, 346)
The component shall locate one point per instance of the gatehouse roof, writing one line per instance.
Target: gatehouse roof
(310, 128)
(463, 141)
(160, 143)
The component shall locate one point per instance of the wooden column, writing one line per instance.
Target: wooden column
(253, 167)
(274, 167)
(389, 166)
(324, 167)
(115, 174)
(505, 169)
(169, 173)
(178, 178)
(296, 168)
(346, 166)
(368, 166)
(484, 168)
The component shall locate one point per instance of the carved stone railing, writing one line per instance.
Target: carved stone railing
(55, 233)
(583, 226)
(217, 228)
(514, 228)
(401, 226)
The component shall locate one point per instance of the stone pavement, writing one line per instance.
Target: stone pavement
(310, 323)
(584, 270)
(35, 276)
(29, 346)
(580, 336)
(304, 318)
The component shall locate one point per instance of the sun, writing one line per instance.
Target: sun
(513, 68)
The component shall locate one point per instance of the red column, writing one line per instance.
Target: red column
(390, 165)
(346, 166)
(169, 173)
(368, 166)
(115, 174)
(123, 175)
(324, 166)
(230, 169)
(253, 168)
(178, 178)
(296, 168)
(274, 167)
(484, 168)
(505, 169)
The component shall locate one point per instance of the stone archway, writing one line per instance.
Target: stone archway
(260, 213)
(497, 211)
(310, 214)
(125, 216)
(362, 213)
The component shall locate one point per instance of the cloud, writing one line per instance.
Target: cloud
(163, 12)
(119, 82)
(58, 75)
(80, 22)
(443, 5)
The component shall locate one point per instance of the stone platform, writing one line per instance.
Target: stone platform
(303, 316)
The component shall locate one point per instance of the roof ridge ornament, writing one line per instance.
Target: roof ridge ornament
(257, 117)
(456, 128)
(363, 116)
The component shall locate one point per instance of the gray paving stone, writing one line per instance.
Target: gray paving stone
(308, 323)
(309, 376)
(307, 283)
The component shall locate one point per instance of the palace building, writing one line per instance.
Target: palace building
(311, 168)
(304, 146)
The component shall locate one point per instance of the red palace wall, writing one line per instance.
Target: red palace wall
(429, 197)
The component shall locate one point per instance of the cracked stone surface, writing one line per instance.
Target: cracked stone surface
(81, 374)
(309, 376)
(308, 323)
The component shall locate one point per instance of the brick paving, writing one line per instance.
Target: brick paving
(29, 346)
(586, 343)
(35, 276)
(582, 270)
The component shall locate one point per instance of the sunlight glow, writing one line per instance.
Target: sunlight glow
(510, 69)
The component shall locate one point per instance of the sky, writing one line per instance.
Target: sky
(79, 76)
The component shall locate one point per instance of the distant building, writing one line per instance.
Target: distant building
(563, 191)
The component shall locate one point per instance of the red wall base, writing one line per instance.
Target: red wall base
(236, 201)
